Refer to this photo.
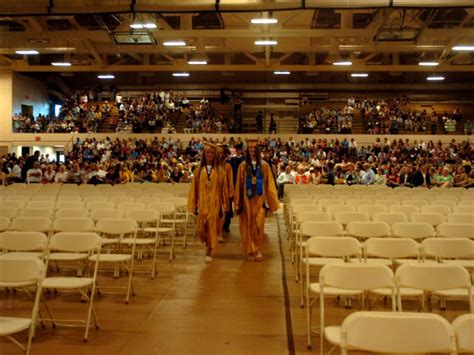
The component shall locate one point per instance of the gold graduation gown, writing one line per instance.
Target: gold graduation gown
(252, 211)
(208, 197)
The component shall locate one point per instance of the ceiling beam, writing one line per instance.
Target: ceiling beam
(259, 66)
(285, 56)
(90, 46)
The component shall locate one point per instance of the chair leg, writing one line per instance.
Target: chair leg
(130, 273)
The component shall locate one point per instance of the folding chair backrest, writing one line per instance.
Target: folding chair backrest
(116, 225)
(405, 209)
(356, 276)
(464, 209)
(434, 219)
(120, 199)
(31, 224)
(100, 205)
(313, 217)
(23, 241)
(332, 209)
(68, 224)
(393, 332)
(464, 329)
(456, 230)
(8, 212)
(142, 215)
(106, 213)
(359, 202)
(323, 229)
(306, 208)
(444, 210)
(333, 246)
(417, 203)
(432, 277)
(69, 204)
(448, 203)
(130, 206)
(413, 230)
(68, 213)
(36, 212)
(391, 248)
(347, 217)
(389, 218)
(448, 247)
(21, 269)
(371, 209)
(460, 218)
(40, 204)
(368, 229)
(388, 202)
(75, 242)
(162, 207)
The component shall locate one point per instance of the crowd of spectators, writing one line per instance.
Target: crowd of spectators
(328, 120)
(393, 163)
(149, 113)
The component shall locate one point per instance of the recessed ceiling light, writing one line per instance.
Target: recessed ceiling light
(263, 21)
(61, 64)
(359, 75)
(141, 26)
(435, 78)
(428, 64)
(342, 62)
(174, 43)
(463, 48)
(281, 72)
(197, 62)
(181, 74)
(266, 42)
(27, 52)
(106, 76)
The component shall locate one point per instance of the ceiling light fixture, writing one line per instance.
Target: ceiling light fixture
(463, 48)
(27, 52)
(281, 72)
(197, 62)
(61, 64)
(264, 21)
(428, 63)
(106, 76)
(435, 78)
(266, 42)
(342, 62)
(174, 43)
(141, 26)
(359, 75)
(181, 74)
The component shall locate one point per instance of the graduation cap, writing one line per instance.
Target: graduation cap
(210, 145)
(252, 142)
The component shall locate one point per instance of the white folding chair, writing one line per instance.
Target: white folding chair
(4, 223)
(435, 219)
(384, 332)
(413, 230)
(332, 209)
(458, 251)
(347, 280)
(456, 230)
(21, 272)
(100, 205)
(9, 212)
(405, 209)
(417, 203)
(364, 230)
(120, 199)
(444, 280)
(371, 209)
(71, 213)
(460, 218)
(70, 204)
(389, 217)
(82, 247)
(449, 203)
(464, 209)
(40, 205)
(348, 217)
(118, 229)
(387, 202)
(36, 212)
(391, 251)
(106, 213)
(31, 224)
(73, 224)
(23, 243)
(124, 206)
(166, 221)
(464, 329)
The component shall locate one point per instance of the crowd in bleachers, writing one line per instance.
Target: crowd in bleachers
(392, 163)
(328, 120)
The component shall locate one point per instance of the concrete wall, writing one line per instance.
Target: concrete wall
(6, 100)
(29, 91)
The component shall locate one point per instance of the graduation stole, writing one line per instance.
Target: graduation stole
(255, 178)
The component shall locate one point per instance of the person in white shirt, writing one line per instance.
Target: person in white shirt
(286, 177)
(368, 175)
(34, 175)
(62, 175)
(48, 175)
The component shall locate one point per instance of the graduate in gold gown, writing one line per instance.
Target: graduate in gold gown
(226, 169)
(254, 190)
(208, 199)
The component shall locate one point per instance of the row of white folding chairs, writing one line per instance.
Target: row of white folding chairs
(374, 187)
(345, 217)
(403, 332)
(409, 280)
(120, 203)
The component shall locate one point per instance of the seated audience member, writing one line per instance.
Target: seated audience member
(302, 178)
(48, 175)
(351, 177)
(406, 177)
(422, 176)
(62, 175)
(461, 179)
(445, 179)
(286, 177)
(368, 175)
(380, 178)
(34, 175)
(393, 179)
